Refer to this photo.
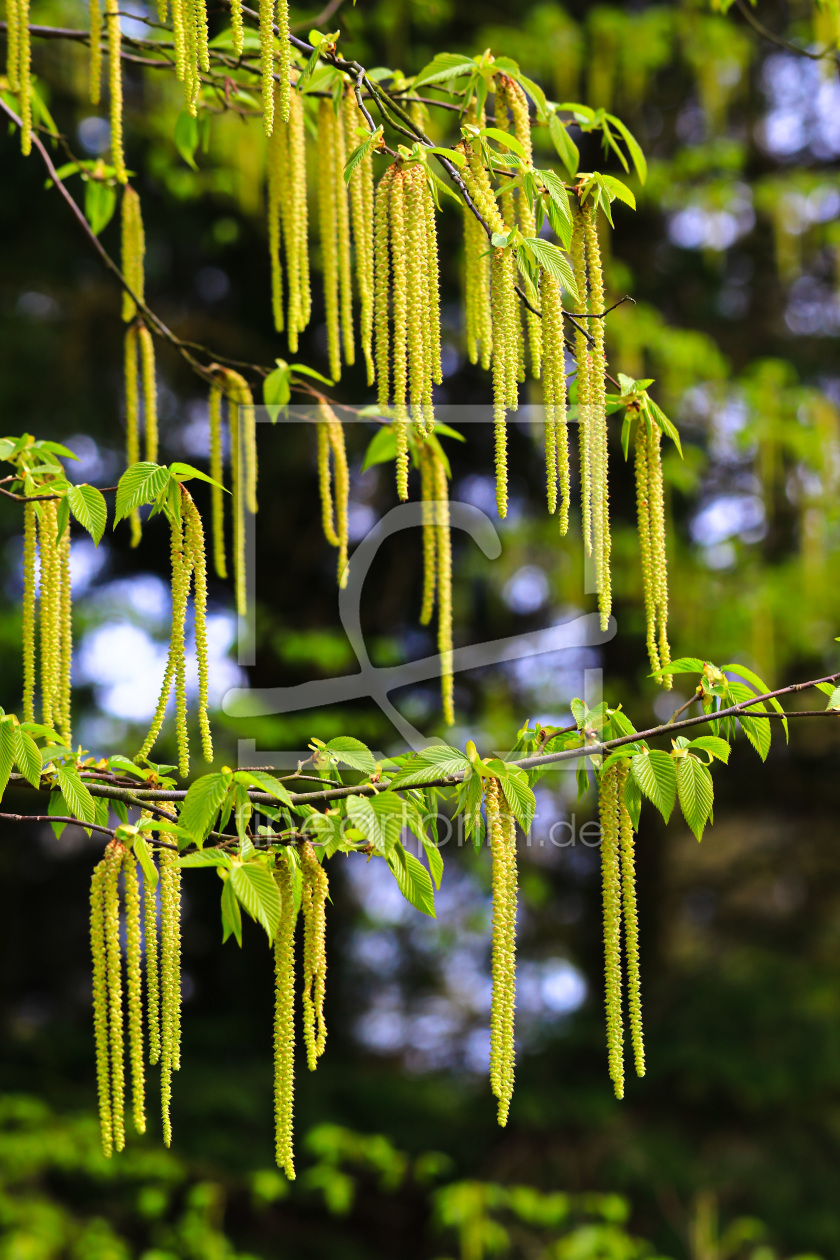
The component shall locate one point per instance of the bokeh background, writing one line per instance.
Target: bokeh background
(732, 259)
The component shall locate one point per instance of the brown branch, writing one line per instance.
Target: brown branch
(827, 54)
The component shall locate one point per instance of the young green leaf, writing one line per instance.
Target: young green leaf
(7, 754)
(201, 805)
(444, 67)
(139, 484)
(656, 776)
(147, 866)
(381, 449)
(552, 260)
(79, 800)
(89, 508)
(360, 153)
(413, 879)
(27, 757)
(258, 895)
(696, 792)
(231, 915)
(349, 751)
(563, 143)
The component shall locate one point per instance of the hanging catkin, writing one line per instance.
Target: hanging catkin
(197, 560)
(478, 314)
(13, 44)
(175, 663)
(132, 416)
(49, 612)
(150, 942)
(631, 919)
(315, 890)
(23, 74)
(170, 980)
(63, 713)
(611, 896)
(645, 545)
(30, 534)
(237, 26)
(288, 213)
(417, 293)
(113, 859)
(134, 991)
(242, 426)
(342, 225)
(598, 449)
(328, 225)
(554, 397)
(427, 494)
(112, 21)
(501, 835)
(399, 305)
(444, 585)
(277, 171)
(217, 472)
(284, 1021)
(334, 507)
(100, 1004)
(150, 415)
(582, 374)
(95, 76)
(431, 322)
(133, 251)
(659, 559)
(360, 190)
(516, 100)
(382, 285)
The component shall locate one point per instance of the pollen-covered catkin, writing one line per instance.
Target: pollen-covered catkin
(284, 58)
(334, 509)
(243, 472)
(100, 1004)
(135, 991)
(582, 374)
(277, 182)
(399, 271)
(296, 225)
(217, 472)
(95, 69)
(611, 897)
(181, 572)
(554, 394)
(518, 103)
(30, 535)
(284, 1021)
(427, 494)
(150, 950)
(598, 411)
(49, 601)
(313, 905)
(132, 415)
(416, 295)
(502, 352)
(342, 226)
(431, 326)
(444, 586)
(65, 639)
(382, 285)
(196, 558)
(113, 858)
(501, 834)
(112, 21)
(267, 10)
(13, 44)
(643, 530)
(24, 76)
(133, 251)
(659, 558)
(237, 26)
(170, 980)
(360, 190)
(328, 224)
(631, 920)
(150, 413)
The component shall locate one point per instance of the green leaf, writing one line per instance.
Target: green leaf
(57, 806)
(439, 761)
(79, 800)
(566, 148)
(455, 156)
(231, 916)
(141, 483)
(268, 783)
(206, 857)
(534, 90)
(277, 390)
(506, 139)
(147, 865)
(89, 508)
(618, 189)
(696, 792)
(186, 137)
(201, 805)
(351, 752)
(683, 665)
(258, 894)
(657, 778)
(633, 146)
(552, 260)
(186, 472)
(757, 731)
(413, 880)
(561, 219)
(714, 745)
(300, 369)
(519, 796)
(358, 155)
(27, 757)
(445, 66)
(633, 800)
(834, 699)
(760, 687)
(382, 448)
(363, 816)
(7, 754)
(100, 204)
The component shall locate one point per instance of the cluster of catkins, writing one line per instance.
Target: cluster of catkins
(47, 614)
(163, 984)
(618, 877)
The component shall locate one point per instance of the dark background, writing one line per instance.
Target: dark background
(732, 260)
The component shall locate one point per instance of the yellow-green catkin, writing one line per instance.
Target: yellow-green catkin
(135, 991)
(360, 190)
(342, 226)
(242, 425)
(179, 40)
(659, 558)
(49, 612)
(554, 395)
(277, 182)
(132, 415)
(284, 58)
(300, 296)
(267, 11)
(100, 1004)
(598, 410)
(611, 896)
(150, 412)
(431, 324)
(315, 891)
(13, 44)
(170, 981)
(112, 22)
(582, 375)
(217, 494)
(328, 225)
(478, 312)
(114, 858)
(65, 639)
(175, 664)
(202, 33)
(631, 920)
(419, 372)
(150, 950)
(501, 834)
(95, 75)
(237, 27)
(399, 273)
(24, 76)
(382, 285)
(197, 559)
(132, 257)
(501, 352)
(427, 494)
(284, 1021)
(444, 586)
(133, 251)
(645, 548)
(518, 103)
(334, 508)
(30, 536)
